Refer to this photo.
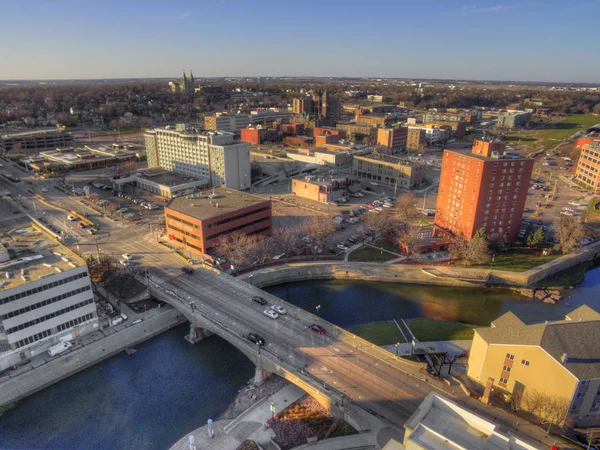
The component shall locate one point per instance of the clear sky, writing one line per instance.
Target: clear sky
(545, 40)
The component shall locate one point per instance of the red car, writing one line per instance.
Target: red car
(370, 206)
(317, 328)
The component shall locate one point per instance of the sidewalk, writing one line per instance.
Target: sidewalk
(450, 347)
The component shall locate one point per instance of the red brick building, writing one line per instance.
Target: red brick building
(293, 129)
(196, 223)
(317, 131)
(484, 188)
(392, 139)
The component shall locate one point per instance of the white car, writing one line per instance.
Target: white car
(124, 262)
(44, 189)
(279, 309)
(270, 313)
(127, 256)
(71, 218)
(574, 203)
(566, 213)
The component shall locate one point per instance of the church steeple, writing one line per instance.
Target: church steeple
(184, 77)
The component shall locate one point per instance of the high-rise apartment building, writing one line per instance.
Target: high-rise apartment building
(46, 294)
(202, 154)
(322, 106)
(485, 188)
(416, 138)
(393, 140)
(302, 106)
(588, 167)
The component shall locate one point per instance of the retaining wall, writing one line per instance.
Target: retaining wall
(63, 366)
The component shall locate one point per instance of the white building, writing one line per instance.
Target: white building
(46, 295)
(214, 155)
(440, 424)
(235, 122)
(433, 135)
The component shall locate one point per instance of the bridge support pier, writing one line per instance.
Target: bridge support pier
(197, 334)
(260, 375)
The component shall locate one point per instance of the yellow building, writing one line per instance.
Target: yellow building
(559, 359)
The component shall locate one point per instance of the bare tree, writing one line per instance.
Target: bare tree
(405, 208)
(569, 232)
(380, 222)
(263, 249)
(475, 251)
(409, 236)
(533, 401)
(286, 240)
(318, 229)
(237, 248)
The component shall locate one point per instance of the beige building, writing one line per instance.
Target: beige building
(389, 170)
(416, 139)
(322, 157)
(358, 131)
(324, 190)
(588, 166)
(236, 122)
(560, 359)
(200, 154)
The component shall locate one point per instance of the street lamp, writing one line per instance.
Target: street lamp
(318, 307)
(397, 344)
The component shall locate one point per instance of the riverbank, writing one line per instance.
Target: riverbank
(90, 350)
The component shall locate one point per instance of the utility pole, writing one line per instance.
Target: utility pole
(97, 249)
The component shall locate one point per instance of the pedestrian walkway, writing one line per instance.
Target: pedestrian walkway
(450, 347)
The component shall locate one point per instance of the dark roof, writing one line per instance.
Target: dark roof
(578, 336)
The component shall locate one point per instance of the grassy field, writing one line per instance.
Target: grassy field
(387, 333)
(518, 259)
(551, 136)
(370, 254)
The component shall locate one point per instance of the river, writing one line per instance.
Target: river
(169, 387)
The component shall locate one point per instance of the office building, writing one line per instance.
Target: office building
(324, 190)
(258, 134)
(197, 222)
(392, 140)
(34, 141)
(223, 121)
(162, 182)
(374, 120)
(485, 188)
(326, 108)
(513, 119)
(435, 116)
(302, 106)
(588, 166)
(87, 158)
(389, 170)
(416, 138)
(46, 294)
(292, 129)
(358, 131)
(200, 154)
(559, 359)
(322, 157)
(441, 424)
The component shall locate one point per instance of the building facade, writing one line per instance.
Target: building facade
(374, 120)
(47, 295)
(324, 190)
(196, 223)
(358, 131)
(233, 123)
(588, 166)
(486, 188)
(392, 139)
(389, 170)
(513, 119)
(416, 139)
(302, 106)
(560, 359)
(32, 141)
(200, 154)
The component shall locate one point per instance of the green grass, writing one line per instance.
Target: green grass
(569, 277)
(518, 259)
(379, 333)
(386, 245)
(369, 254)
(387, 333)
(551, 137)
(592, 205)
(427, 330)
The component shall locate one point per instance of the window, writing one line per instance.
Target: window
(511, 357)
(503, 380)
(525, 362)
(585, 382)
(580, 394)
(506, 368)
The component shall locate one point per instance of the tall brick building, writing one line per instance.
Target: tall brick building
(485, 188)
(393, 139)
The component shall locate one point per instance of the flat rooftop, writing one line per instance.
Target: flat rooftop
(388, 159)
(508, 157)
(48, 131)
(203, 206)
(34, 255)
(167, 178)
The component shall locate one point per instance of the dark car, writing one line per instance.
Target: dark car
(187, 270)
(317, 328)
(259, 300)
(253, 337)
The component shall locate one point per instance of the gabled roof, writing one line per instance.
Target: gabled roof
(577, 337)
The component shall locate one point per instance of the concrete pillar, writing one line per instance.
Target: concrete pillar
(197, 334)
(260, 375)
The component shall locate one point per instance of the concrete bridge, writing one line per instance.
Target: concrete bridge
(338, 369)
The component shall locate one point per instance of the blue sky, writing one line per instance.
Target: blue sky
(545, 40)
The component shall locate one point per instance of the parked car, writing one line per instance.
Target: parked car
(574, 203)
(255, 338)
(71, 218)
(270, 313)
(259, 300)
(279, 309)
(44, 189)
(127, 256)
(317, 328)
(124, 262)
(81, 225)
(566, 213)
(187, 270)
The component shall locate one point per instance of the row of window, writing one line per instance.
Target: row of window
(240, 227)
(240, 216)
(177, 219)
(45, 302)
(46, 333)
(49, 316)
(42, 288)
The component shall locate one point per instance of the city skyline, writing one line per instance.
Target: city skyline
(504, 41)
